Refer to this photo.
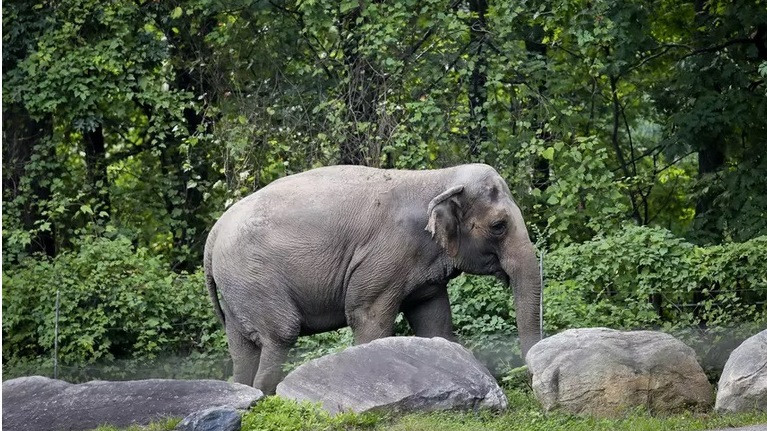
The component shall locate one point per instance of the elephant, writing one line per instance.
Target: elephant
(354, 246)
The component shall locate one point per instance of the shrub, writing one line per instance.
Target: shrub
(645, 277)
(318, 345)
(279, 414)
(116, 301)
(484, 319)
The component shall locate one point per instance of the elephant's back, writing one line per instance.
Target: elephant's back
(294, 221)
(326, 208)
(328, 197)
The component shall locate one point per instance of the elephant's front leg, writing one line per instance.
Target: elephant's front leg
(431, 317)
(373, 320)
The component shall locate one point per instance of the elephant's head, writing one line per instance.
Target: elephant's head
(481, 228)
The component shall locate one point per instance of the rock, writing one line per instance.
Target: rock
(396, 374)
(41, 404)
(212, 419)
(762, 427)
(602, 372)
(743, 385)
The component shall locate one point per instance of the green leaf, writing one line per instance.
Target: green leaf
(348, 5)
(548, 153)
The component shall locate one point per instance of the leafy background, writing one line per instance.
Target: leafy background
(631, 133)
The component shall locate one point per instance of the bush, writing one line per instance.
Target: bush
(484, 320)
(116, 302)
(318, 345)
(647, 278)
(279, 414)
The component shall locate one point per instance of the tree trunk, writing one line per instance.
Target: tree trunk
(711, 159)
(23, 137)
(361, 97)
(541, 167)
(184, 201)
(619, 151)
(711, 156)
(478, 131)
(96, 165)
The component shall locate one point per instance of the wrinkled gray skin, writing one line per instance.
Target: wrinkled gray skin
(351, 245)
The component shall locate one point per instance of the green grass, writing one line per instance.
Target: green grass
(524, 414)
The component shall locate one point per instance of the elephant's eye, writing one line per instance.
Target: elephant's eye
(498, 227)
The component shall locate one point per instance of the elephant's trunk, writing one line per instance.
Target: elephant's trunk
(521, 265)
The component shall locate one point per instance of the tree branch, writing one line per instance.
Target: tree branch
(299, 19)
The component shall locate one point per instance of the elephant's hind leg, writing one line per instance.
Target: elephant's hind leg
(245, 356)
(269, 373)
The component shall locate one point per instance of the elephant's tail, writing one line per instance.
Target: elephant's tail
(209, 281)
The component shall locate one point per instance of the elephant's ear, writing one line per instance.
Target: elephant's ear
(443, 224)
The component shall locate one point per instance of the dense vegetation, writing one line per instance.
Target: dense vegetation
(632, 134)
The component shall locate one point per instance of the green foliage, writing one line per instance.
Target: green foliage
(516, 379)
(112, 61)
(130, 126)
(646, 277)
(584, 198)
(318, 345)
(593, 113)
(484, 319)
(165, 425)
(279, 414)
(116, 301)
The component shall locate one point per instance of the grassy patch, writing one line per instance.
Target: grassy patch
(279, 414)
(163, 425)
(524, 414)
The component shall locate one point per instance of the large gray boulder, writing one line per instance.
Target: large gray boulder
(743, 385)
(42, 404)
(602, 372)
(396, 374)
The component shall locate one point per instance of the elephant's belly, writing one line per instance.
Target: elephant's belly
(322, 322)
